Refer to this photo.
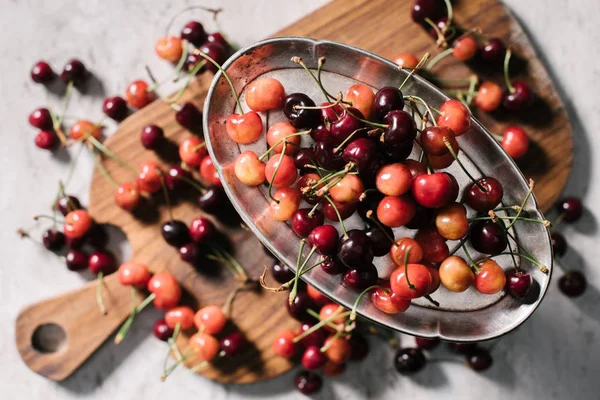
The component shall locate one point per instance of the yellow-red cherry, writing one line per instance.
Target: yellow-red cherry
(265, 94)
(249, 169)
(284, 204)
(132, 273)
(362, 98)
(209, 172)
(169, 48)
(167, 290)
(491, 277)
(182, 315)
(283, 175)
(83, 129)
(127, 196)
(455, 274)
(192, 151)
(205, 346)
(149, 179)
(455, 116)
(244, 128)
(210, 319)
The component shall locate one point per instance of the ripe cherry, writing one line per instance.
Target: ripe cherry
(455, 116)
(133, 273)
(303, 158)
(53, 239)
(570, 209)
(137, 94)
(167, 290)
(76, 260)
(455, 274)
(189, 252)
(441, 162)
(83, 129)
(518, 283)
(45, 140)
(489, 96)
(433, 244)
(515, 142)
(281, 273)
(101, 262)
(214, 51)
(304, 187)
(77, 223)
(451, 221)
(169, 48)
(330, 310)
(316, 295)
(152, 136)
(409, 360)
(212, 200)
(386, 99)
(559, 244)
(362, 98)
(42, 73)
(232, 344)
(41, 118)
(572, 283)
(74, 71)
(150, 177)
(333, 267)
(465, 48)
(303, 223)
(182, 315)
(201, 229)
(283, 344)
(298, 309)
(488, 237)
(432, 190)
(194, 33)
(338, 349)
(308, 382)
(361, 278)
(493, 52)
(491, 278)
(191, 151)
(379, 239)
(316, 338)
(176, 177)
(127, 196)
(393, 179)
(244, 128)
(209, 172)
(115, 107)
(284, 204)
(483, 201)
(432, 140)
(519, 98)
(265, 94)
(300, 118)
(205, 346)
(396, 211)
(162, 331)
(347, 190)
(359, 347)
(354, 249)
(175, 233)
(189, 117)
(326, 155)
(249, 169)
(282, 174)
(401, 129)
(419, 277)
(65, 204)
(363, 153)
(426, 9)
(280, 131)
(426, 343)
(479, 360)
(346, 125)
(389, 302)
(313, 359)
(399, 249)
(329, 114)
(325, 238)
(406, 60)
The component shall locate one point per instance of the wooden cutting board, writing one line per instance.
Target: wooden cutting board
(380, 26)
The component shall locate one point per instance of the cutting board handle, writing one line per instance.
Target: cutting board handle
(55, 336)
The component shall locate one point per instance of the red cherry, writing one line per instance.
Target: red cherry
(441, 162)
(515, 141)
(484, 201)
(401, 246)
(42, 73)
(433, 244)
(329, 114)
(162, 331)
(182, 315)
(316, 295)
(209, 172)
(201, 229)
(416, 168)
(489, 96)
(211, 319)
(286, 174)
(491, 278)
(455, 116)
(283, 344)
(77, 223)
(346, 124)
(338, 349)
(325, 238)
(520, 98)
(419, 278)
(194, 33)
(127, 196)
(303, 185)
(396, 211)
(432, 140)
(134, 274)
(389, 302)
(167, 290)
(345, 210)
(265, 94)
(406, 60)
(45, 140)
(465, 48)
(192, 151)
(244, 128)
(313, 359)
(41, 118)
(137, 94)
(205, 346)
(101, 262)
(393, 179)
(303, 223)
(115, 107)
(432, 190)
(82, 129)
(149, 179)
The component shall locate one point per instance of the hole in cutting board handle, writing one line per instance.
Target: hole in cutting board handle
(49, 338)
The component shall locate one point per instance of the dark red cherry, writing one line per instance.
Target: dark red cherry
(325, 238)
(194, 33)
(432, 140)
(189, 252)
(301, 118)
(175, 178)
(570, 208)
(360, 279)
(454, 186)
(189, 117)
(281, 273)
(463, 348)
(214, 51)
(53, 240)
(46, 140)
(327, 157)
(427, 9)
(41, 118)
(74, 71)
(480, 359)
(115, 108)
(42, 73)
(66, 204)
(192, 60)
(423, 218)
(101, 261)
(300, 306)
(320, 132)
(395, 154)
(354, 250)
(304, 156)
(218, 38)
(303, 223)
(345, 211)
(380, 242)
(432, 190)
(518, 99)
(401, 130)
(442, 25)
(359, 347)
(75, 243)
(308, 382)
(487, 237)
(559, 244)
(97, 237)
(313, 358)
(212, 200)
(333, 266)
(482, 201)
(409, 360)
(330, 114)
(162, 331)
(572, 283)
(232, 344)
(387, 98)
(175, 233)
(201, 230)
(152, 136)
(316, 338)
(370, 202)
(346, 125)
(363, 153)
(427, 344)
(518, 283)
(76, 260)
(493, 52)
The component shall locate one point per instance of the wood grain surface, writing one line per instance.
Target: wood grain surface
(380, 26)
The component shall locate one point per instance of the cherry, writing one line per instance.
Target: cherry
(205, 346)
(101, 262)
(347, 124)
(423, 218)
(214, 51)
(97, 236)
(320, 132)
(491, 278)
(572, 283)
(303, 223)
(419, 277)
(249, 169)
(451, 221)
(282, 273)
(169, 48)
(465, 48)
(570, 209)
(83, 129)
(284, 204)
(162, 331)
(45, 140)
(316, 338)
(432, 190)
(441, 162)
(406, 60)
(399, 249)
(435, 277)
(189, 253)
(307, 382)
(401, 129)
(433, 244)
(426, 343)
(442, 25)
(370, 202)
(189, 117)
(489, 96)
(127, 196)
(326, 155)
(218, 38)
(389, 302)
(333, 266)
(455, 274)
(493, 52)
(362, 98)
(175, 233)
(361, 278)
(455, 116)
(519, 98)
(298, 117)
(149, 179)
(194, 33)
(354, 249)
(283, 344)
(416, 168)
(304, 187)
(488, 237)
(175, 177)
(115, 107)
(432, 140)
(329, 114)
(559, 244)
(265, 94)
(363, 153)
(313, 359)
(76, 260)
(345, 210)
(209, 172)
(394, 179)
(137, 94)
(191, 151)
(515, 142)
(283, 131)
(386, 99)
(338, 349)
(65, 204)
(212, 199)
(518, 283)
(396, 211)
(201, 229)
(152, 136)
(41, 118)
(232, 344)
(181, 315)
(298, 309)
(325, 238)
(316, 295)
(409, 360)
(378, 238)
(426, 9)
(359, 347)
(480, 359)
(333, 369)
(74, 71)
(210, 319)
(42, 73)
(53, 239)
(305, 156)
(463, 348)
(192, 60)
(133, 273)
(484, 201)
(77, 223)
(347, 190)
(244, 128)
(454, 185)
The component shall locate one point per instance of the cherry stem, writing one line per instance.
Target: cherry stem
(406, 254)
(280, 141)
(99, 299)
(229, 301)
(512, 256)
(422, 62)
(172, 341)
(311, 213)
(366, 121)
(165, 193)
(337, 149)
(214, 11)
(275, 173)
(230, 262)
(299, 273)
(173, 76)
(441, 39)
(546, 223)
(103, 171)
(68, 95)
(329, 342)
(360, 296)
(459, 246)
(370, 216)
(216, 64)
(450, 12)
(424, 103)
(320, 324)
(431, 300)
(507, 57)
(472, 263)
(287, 284)
(471, 92)
(530, 256)
(294, 289)
(451, 150)
(298, 60)
(51, 218)
(337, 212)
(134, 311)
(531, 186)
(330, 105)
(172, 368)
(316, 315)
(109, 153)
(194, 184)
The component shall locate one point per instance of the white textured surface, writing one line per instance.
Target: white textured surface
(554, 355)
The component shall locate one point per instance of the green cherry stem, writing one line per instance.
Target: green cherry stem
(110, 154)
(472, 263)
(103, 171)
(507, 57)
(424, 103)
(320, 324)
(383, 229)
(451, 150)
(337, 212)
(280, 141)
(417, 68)
(216, 64)
(438, 58)
(410, 285)
(99, 299)
(522, 206)
(546, 223)
(530, 256)
(359, 298)
(275, 173)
